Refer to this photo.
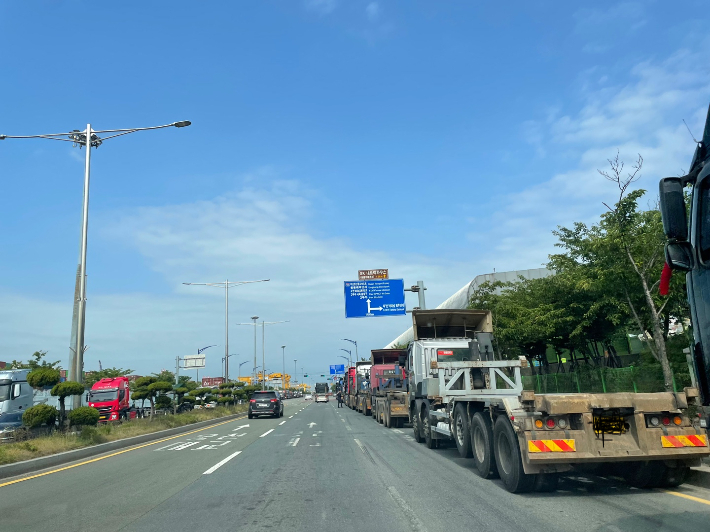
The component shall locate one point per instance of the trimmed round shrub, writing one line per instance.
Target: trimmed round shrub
(84, 416)
(163, 401)
(39, 415)
(43, 378)
(224, 400)
(187, 399)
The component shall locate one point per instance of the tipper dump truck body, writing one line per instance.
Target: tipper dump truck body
(388, 387)
(459, 391)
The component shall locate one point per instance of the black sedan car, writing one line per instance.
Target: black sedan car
(266, 403)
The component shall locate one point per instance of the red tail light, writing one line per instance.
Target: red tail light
(274, 400)
(666, 420)
(550, 422)
(252, 400)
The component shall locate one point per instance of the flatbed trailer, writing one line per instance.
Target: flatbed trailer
(361, 393)
(388, 387)
(459, 391)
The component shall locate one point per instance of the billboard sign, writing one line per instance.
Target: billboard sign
(336, 369)
(193, 361)
(366, 275)
(374, 298)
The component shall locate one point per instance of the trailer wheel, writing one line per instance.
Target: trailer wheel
(431, 443)
(674, 476)
(461, 431)
(508, 458)
(388, 417)
(482, 445)
(644, 474)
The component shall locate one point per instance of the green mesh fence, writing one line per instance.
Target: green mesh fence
(605, 380)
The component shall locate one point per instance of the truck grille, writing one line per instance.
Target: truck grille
(104, 412)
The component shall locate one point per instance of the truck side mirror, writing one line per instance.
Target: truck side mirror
(675, 222)
(679, 256)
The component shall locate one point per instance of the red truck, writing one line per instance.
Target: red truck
(351, 388)
(111, 397)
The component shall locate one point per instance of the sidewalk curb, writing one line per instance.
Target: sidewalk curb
(43, 462)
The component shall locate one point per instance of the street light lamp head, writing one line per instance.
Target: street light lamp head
(254, 318)
(182, 123)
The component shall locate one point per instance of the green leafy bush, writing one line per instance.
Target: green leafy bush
(84, 415)
(163, 401)
(38, 415)
(43, 378)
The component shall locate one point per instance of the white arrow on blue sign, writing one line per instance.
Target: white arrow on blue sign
(374, 298)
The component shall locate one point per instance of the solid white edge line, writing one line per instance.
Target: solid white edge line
(267, 432)
(220, 464)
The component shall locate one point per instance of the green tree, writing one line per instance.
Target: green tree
(43, 377)
(92, 377)
(63, 390)
(165, 376)
(149, 388)
(623, 256)
(36, 361)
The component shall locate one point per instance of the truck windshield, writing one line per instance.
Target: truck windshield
(5, 390)
(100, 396)
(453, 354)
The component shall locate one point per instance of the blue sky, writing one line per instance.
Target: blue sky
(440, 140)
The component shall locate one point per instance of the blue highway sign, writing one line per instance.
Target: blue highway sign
(377, 297)
(337, 369)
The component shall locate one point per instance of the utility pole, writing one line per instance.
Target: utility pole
(357, 358)
(295, 374)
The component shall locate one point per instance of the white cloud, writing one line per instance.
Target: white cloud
(256, 232)
(642, 116)
(322, 7)
(604, 28)
(373, 11)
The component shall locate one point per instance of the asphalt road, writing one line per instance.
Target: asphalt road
(321, 468)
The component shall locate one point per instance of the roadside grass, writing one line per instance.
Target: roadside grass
(59, 442)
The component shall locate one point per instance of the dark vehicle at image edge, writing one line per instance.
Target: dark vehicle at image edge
(263, 403)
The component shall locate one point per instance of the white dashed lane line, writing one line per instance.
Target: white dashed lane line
(282, 422)
(220, 464)
(267, 432)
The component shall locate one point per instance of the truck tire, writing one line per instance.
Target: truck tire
(674, 476)
(461, 432)
(482, 445)
(643, 475)
(416, 423)
(388, 419)
(508, 458)
(429, 440)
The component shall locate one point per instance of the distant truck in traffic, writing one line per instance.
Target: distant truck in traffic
(321, 395)
(388, 387)
(111, 397)
(459, 391)
(16, 396)
(359, 396)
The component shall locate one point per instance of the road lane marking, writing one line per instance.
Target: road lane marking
(689, 497)
(179, 446)
(267, 432)
(414, 521)
(284, 421)
(290, 417)
(220, 464)
(294, 442)
(114, 454)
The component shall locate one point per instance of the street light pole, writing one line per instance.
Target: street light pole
(255, 318)
(357, 357)
(88, 139)
(226, 284)
(295, 374)
(283, 367)
(240, 369)
(350, 354)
